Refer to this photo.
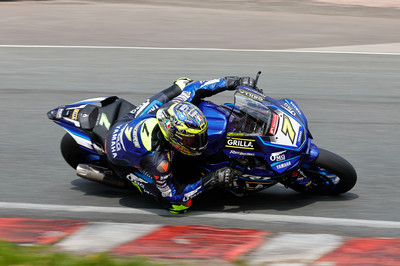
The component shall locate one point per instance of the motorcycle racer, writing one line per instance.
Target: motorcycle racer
(140, 146)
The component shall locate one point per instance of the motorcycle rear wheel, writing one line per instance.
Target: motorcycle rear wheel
(73, 154)
(330, 173)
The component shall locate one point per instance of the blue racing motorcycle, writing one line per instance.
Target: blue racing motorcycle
(268, 140)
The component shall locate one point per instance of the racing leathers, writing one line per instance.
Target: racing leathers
(137, 150)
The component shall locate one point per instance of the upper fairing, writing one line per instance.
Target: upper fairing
(67, 117)
(282, 146)
(291, 109)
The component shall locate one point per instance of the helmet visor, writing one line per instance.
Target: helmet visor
(196, 143)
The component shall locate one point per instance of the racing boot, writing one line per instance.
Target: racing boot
(183, 208)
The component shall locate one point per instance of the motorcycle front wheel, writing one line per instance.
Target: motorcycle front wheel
(330, 175)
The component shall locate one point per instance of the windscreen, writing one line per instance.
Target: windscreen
(253, 116)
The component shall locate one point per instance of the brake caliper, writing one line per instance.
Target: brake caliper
(301, 178)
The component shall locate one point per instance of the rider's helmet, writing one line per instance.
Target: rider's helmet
(184, 126)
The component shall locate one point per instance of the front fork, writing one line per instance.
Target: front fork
(311, 154)
(299, 176)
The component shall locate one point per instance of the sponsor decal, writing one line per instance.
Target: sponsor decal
(277, 156)
(199, 119)
(154, 105)
(114, 141)
(193, 113)
(300, 135)
(241, 153)
(163, 166)
(175, 121)
(168, 123)
(180, 148)
(140, 108)
(251, 95)
(295, 107)
(117, 141)
(191, 194)
(258, 185)
(254, 186)
(182, 116)
(153, 108)
(120, 138)
(148, 192)
(183, 97)
(274, 124)
(133, 178)
(135, 136)
(144, 175)
(237, 143)
(288, 108)
(209, 83)
(237, 134)
(166, 194)
(165, 190)
(282, 165)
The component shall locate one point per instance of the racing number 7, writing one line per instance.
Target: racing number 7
(104, 121)
(287, 128)
(145, 130)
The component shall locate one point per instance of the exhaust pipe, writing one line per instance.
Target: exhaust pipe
(101, 175)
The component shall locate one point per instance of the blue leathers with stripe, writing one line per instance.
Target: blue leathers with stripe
(137, 150)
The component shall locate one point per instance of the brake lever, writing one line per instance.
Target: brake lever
(256, 81)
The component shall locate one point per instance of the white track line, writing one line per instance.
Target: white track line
(194, 49)
(262, 218)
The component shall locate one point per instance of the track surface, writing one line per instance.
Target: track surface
(350, 100)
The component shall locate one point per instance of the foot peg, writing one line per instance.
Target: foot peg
(101, 175)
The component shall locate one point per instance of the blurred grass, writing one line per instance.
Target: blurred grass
(12, 254)
(16, 255)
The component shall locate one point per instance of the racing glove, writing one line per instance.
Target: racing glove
(182, 82)
(233, 82)
(222, 177)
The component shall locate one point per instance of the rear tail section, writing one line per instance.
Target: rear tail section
(88, 121)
